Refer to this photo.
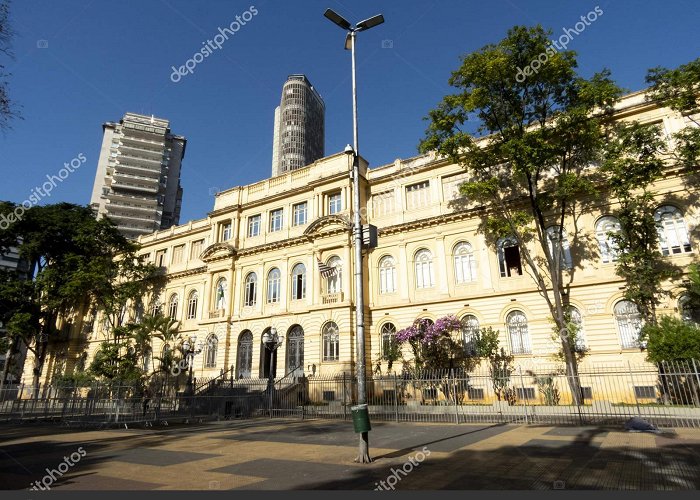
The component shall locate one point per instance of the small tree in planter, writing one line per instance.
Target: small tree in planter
(500, 364)
(547, 386)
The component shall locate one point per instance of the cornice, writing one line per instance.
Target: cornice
(188, 272)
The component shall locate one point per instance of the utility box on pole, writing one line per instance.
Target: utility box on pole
(369, 236)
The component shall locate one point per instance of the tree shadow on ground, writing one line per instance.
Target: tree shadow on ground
(541, 464)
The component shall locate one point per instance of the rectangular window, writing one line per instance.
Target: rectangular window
(525, 392)
(160, 258)
(178, 254)
(430, 393)
(388, 396)
(383, 203)
(586, 393)
(329, 395)
(196, 250)
(509, 260)
(276, 217)
(335, 204)
(418, 195)
(253, 225)
(645, 391)
(451, 184)
(225, 231)
(298, 286)
(300, 214)
(475, 393)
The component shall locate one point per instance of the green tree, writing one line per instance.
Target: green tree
(117, 364)
(500, 363)
(634, 163)
(678, 89)
(672, 339)
(531, 174)
(692, 287)
(75, 261)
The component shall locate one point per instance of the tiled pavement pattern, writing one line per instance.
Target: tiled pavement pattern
(277, 454)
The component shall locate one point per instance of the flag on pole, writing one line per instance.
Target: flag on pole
(325, 270)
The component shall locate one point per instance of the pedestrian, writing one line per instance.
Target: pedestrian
(146, 400)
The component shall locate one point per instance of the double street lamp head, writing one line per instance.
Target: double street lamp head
(345, 24)
(337, 19)
(370, 23)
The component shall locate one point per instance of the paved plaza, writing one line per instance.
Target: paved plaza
(292, 454)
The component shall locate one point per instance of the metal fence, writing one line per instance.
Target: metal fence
(667, 395)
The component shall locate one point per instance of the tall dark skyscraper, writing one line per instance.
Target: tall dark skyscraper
(299, 126)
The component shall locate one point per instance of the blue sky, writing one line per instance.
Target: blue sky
(106, 58)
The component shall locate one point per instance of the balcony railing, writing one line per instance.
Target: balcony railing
(217, 313)
(332, 298)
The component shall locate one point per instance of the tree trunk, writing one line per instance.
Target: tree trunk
(363, 451)
(569, 357)
(572, 375)
(8, 358)
(38, 366)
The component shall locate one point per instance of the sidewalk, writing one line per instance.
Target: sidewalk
(282, 455)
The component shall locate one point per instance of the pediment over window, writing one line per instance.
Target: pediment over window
(329, 224)
(217, 251)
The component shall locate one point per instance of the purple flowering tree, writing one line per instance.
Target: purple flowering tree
(436, 345)
(440, 359)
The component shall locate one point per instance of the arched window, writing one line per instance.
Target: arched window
(388, 333)
(576, 320)
(559, 245)
(605, 228)
(465, 263)
(295, 351)
(244, 354)
(673, 233)
(387, 274)
(331, 342)
(221, 287)
(690, 313)
(509, 257)
(298, 282)
(155, 307)
(173, 305)
(210, 350)
(334, 281)
(273, 285)
(251, 289)
(629, 322)
(192, 303)
(425, 277)
(470, 333)
(516, 323)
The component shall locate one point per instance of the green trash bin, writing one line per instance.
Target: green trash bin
(360, 418)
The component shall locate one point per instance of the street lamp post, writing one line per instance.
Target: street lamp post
(272, 341)
(363, 455)
(190, 348)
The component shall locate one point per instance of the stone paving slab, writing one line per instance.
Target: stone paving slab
(317, 454)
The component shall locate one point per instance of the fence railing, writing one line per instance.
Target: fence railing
(667, 395)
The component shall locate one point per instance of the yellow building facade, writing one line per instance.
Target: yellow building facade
(254, 263)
